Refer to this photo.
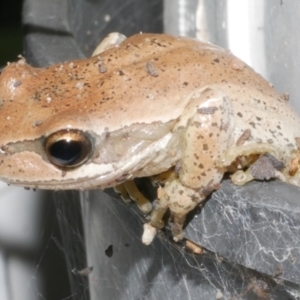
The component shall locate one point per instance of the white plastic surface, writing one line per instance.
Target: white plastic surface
(20, 229)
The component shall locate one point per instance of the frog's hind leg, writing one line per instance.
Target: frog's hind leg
(206, 138)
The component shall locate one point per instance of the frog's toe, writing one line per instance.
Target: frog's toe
(148, 234)
(129, 191)
(122, 191)
(176, 223)
(241, 177)
(142, 202)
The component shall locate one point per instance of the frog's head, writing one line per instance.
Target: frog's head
(43, 142)
(55, 134)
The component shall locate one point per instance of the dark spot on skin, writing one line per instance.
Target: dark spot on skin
(201, 166)
(180, 192)
(285, 96)
(196, 124)
(17, 83)
(207, 110)
(102, 68)
(224, 126)
(122, 178)
(185, 83)
(252, 124)
(151, 69)
(177, 168)
(258, 118)
(270, 141)
(216, 60)
(244, 137)
(203, 174)
(240, 114)
(36, 123)
(205, 147)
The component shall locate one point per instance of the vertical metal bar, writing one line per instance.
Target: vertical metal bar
(180, 17)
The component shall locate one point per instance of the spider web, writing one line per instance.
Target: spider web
(89, 247)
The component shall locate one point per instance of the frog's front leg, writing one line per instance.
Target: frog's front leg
(207, 136)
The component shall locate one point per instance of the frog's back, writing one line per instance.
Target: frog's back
(149, 78)
(263, 118)
(158, 74)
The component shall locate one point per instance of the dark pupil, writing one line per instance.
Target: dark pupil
(65, 152)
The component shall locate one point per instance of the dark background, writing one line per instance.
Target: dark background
(10, 31)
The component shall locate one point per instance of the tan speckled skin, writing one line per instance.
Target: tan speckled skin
(202, 107)
(183, 66)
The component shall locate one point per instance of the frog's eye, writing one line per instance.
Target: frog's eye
(68, 148)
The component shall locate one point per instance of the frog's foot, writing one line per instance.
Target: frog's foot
(179, 200)
(266, 167)
(129, 191)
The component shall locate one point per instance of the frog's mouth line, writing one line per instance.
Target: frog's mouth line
(75, 184)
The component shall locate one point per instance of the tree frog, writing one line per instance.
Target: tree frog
(174, 109)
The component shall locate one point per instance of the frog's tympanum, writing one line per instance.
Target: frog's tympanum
(152, 105)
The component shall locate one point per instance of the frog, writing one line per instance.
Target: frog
(179, 111)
